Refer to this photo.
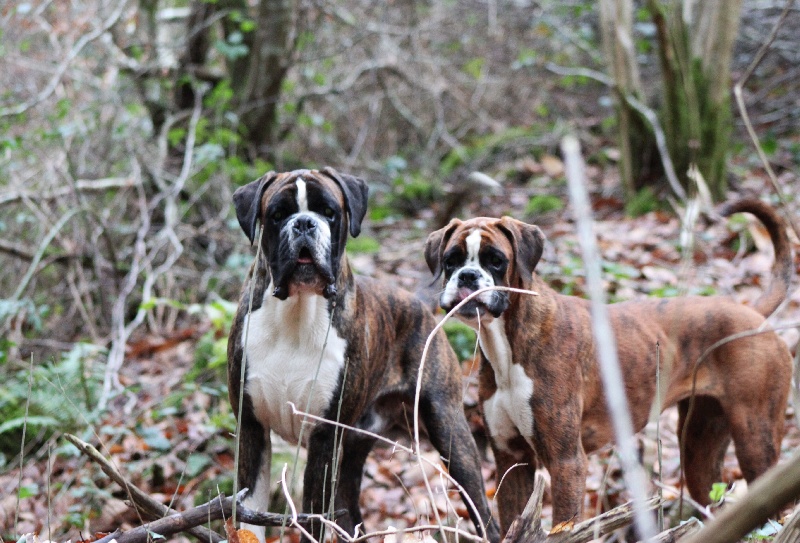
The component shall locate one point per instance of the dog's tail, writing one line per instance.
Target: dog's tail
(782, 267)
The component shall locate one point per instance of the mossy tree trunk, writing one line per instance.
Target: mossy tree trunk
(260, 50)
(695, 43)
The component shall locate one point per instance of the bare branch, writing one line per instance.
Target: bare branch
(766, 496)
(142, 502)
(610, 371)
(62, 68)
(83, 185)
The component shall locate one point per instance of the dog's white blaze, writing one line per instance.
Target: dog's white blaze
(508, 412)
(302, 195)
(284, 348)
(473, 248)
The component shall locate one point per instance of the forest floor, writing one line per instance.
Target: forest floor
(169, 432)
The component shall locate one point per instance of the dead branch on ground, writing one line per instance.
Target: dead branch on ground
(767, 495)
(528, 526)
(169, 521)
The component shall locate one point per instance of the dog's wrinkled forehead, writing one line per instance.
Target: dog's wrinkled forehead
(475, 234)
(299, 186)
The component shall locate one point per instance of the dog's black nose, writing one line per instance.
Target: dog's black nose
(304, 225)
(468, 277)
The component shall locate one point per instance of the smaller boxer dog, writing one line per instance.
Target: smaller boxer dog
(540, 387)
(344, 348)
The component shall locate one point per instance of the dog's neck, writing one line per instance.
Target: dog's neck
(527, 313)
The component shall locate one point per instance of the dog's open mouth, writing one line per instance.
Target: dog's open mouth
(473, 309)
(470, 310)
(305, 256)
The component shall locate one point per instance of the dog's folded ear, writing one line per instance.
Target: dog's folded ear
(356, 196)
(528, 242)
(247, 202)
(435, 245)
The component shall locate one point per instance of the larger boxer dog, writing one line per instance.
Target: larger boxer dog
(341, 347)
(540, 386)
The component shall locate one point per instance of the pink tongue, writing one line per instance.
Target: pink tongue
(464, 292)
(304, 260)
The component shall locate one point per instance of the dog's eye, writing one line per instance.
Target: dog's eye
(277, 216)
(495, 261)
(450, 262)
(328, 212)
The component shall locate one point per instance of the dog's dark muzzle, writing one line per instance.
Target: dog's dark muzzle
(302, 263)
(477, 307)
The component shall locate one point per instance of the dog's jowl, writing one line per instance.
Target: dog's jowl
(540, 386)
(336, 346)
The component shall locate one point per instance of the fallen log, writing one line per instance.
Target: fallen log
(527, 528)
(185, 521)
(167, 521)
(764, 498)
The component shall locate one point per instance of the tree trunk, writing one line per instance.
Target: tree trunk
(696, 48)
(635, 139)
(695, 43)
(257, 78)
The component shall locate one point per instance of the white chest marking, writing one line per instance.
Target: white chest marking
(508, 412)
(302, 195)
(284, 353)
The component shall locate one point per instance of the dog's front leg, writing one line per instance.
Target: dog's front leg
(450, 435)
(319, 480)
(255, 459)
(568, 484)
(515, 479)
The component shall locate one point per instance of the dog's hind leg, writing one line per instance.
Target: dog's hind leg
(757, 438)
(707, 435)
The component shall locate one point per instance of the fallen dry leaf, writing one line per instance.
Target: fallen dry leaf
(565, 526)
(246, 536)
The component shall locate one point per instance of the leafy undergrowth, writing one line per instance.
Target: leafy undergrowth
(169, 431)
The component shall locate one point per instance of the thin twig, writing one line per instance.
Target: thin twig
(658, 439)
(240, 407)
(50, 88)
(395, 444)
(40, 252)
(141, 501)
(290, 504)
(610, 372)
(420, 372)
(22, 440)
(81, 185)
